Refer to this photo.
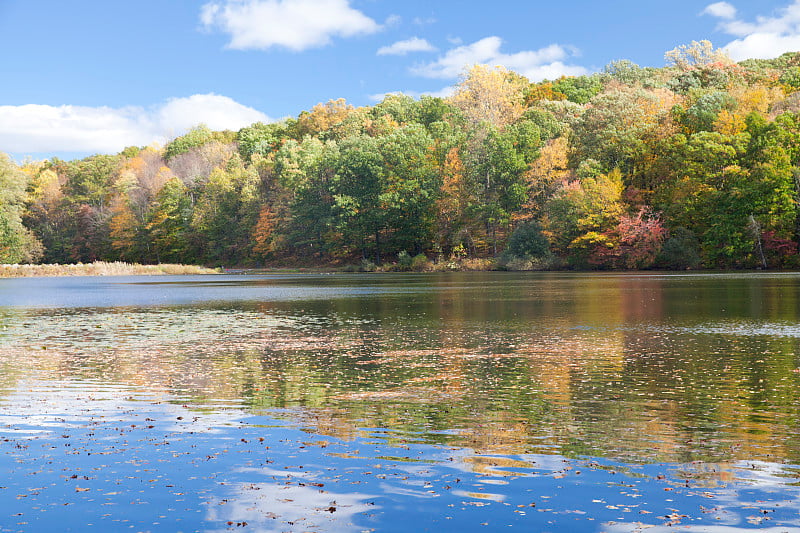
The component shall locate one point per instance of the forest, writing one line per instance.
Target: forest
(693, 165)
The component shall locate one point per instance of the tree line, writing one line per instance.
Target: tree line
(693, 165)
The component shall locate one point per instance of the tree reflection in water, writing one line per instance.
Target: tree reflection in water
(465, 398)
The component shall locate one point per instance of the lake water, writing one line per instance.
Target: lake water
(439, 402)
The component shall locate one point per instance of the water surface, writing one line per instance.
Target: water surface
(551, 402)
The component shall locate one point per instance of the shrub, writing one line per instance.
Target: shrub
(528, 241)
(420, 263)
(680, 251)
(404, 261)
(527, 245)
(367, 266)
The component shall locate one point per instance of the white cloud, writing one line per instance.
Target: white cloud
(215, 111)
(765, 38)
(551, 71)
(536, 65)
(444, 92)
(401, 48)
(293, 24)
(393, 20)
(420, 21)
(720, 9)
(762, 46)
(43, 128)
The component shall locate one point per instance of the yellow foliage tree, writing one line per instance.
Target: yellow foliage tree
(124, 227)
(491, 94)
(729, 123)
(544, 175)
(46, 188)
(454, 200)
(542, 91)
(581, 208)
(749, 99)
(263, 231)
(323, 117)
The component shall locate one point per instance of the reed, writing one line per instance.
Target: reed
(100, 268)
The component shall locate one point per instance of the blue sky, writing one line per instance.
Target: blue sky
(94, 76)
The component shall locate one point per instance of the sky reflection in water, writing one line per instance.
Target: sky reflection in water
(346, 403)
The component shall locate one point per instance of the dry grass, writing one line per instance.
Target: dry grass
(463, 265)
(100, 268)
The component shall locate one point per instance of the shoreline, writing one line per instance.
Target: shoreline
(100, 268)
(118, 268)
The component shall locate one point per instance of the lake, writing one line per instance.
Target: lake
(398, 402)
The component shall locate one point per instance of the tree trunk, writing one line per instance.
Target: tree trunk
(377, 246)
(755, 228)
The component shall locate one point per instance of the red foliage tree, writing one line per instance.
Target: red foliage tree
(633, 244)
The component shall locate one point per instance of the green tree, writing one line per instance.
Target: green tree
(620, 129)
(402, 109)
(169, 223)
(304, 172)
(578, 89)
(703, 112)
(195, 137)
(17, 243)
(500, 172)
(629, 73)
(724, 181)
(357, 188)
(527, 242)
(80, 231)
(261, 138)
(89, 180)
(225, 214)
(412, 184)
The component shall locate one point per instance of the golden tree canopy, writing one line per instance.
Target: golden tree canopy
(491, 94)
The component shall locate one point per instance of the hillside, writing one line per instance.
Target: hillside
(687, 166)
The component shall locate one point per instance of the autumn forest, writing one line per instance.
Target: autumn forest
(693, 165)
